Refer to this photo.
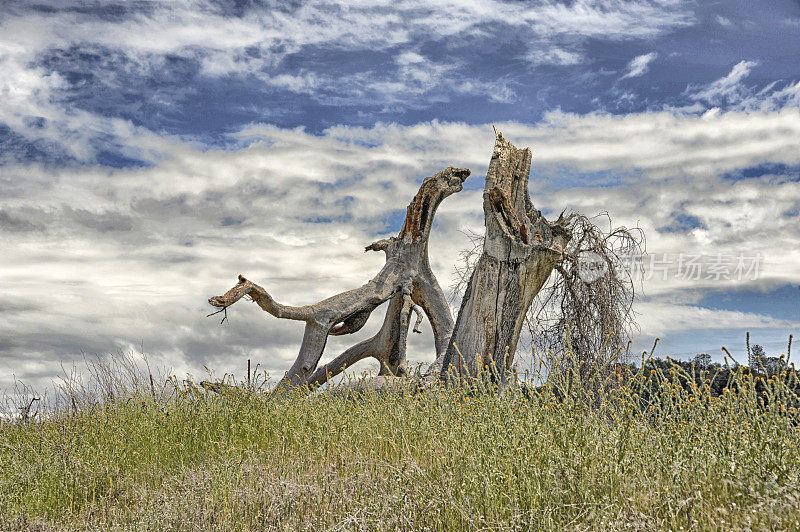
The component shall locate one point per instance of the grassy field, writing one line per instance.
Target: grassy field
(447, 459)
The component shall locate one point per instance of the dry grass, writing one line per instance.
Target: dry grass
(446, 459)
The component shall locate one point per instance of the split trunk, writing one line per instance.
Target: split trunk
(520, 250)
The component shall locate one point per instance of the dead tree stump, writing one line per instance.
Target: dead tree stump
(520, 250)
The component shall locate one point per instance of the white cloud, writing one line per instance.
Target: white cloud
(191, 26)
(610, 19)
(723, 21)
(33, 107)
(731, 91)
(37, 105)
(768, 99)
(728, 89)
(691, 317)
(664, 144)
(639, 65)
(553, 56)
(99, 259)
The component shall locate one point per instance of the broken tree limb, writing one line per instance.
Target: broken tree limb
(387, 346)
(406, 278)
(520, 250)
(417, 310)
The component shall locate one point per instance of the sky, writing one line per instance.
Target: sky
(152, 151)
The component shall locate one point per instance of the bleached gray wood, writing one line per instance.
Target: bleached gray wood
(388, 346)
(519, 252)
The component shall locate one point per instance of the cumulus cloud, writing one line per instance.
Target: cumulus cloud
(665, 143)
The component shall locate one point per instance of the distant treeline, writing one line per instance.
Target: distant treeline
(702, 377)
(657, 381)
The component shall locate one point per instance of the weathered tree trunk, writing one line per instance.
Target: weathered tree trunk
(406, 278)
(519, 252)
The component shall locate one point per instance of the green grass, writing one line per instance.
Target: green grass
(440, 460)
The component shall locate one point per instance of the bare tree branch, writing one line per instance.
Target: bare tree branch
(588, 314)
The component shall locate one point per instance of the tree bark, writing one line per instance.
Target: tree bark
(406, 278)
(519, 252)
